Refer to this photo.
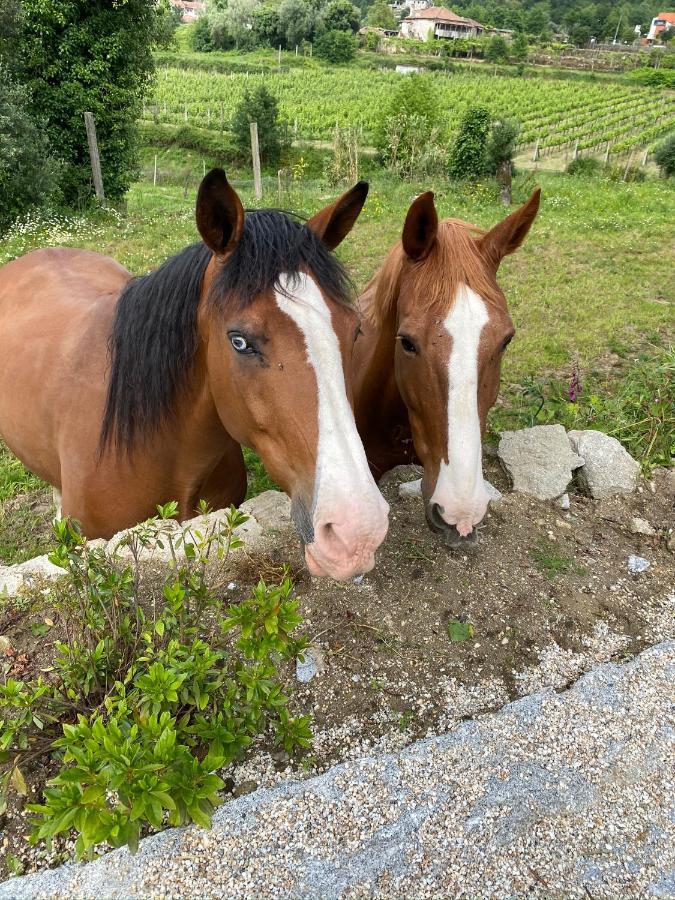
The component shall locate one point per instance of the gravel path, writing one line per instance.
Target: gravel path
(556, 795)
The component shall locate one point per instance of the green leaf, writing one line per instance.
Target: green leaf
(460, 631)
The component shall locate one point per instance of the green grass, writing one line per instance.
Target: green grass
(551, 562)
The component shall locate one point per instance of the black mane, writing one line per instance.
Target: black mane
(154, 337)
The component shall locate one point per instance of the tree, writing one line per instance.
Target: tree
(664, 156)
(297, 22)
(497, 50)
(412, 112)
(381, 15)
(238, 21)
(201, 39)
(499, 152)
(266, 26)
(258, 106)
(88, 55)
(28, 174)
(580, 35)
(468, 154)
(335, 46)
(341, 15)
(167, 21)
(519, 47)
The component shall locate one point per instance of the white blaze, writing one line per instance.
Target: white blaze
(344, 488)
(459, 489)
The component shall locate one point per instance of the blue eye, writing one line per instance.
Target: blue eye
(240, 344)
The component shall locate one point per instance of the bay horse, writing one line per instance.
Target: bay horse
(124, 392)
(427, 367)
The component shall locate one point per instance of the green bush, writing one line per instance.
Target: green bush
(200, 37)
(87, 55)
(144, 701)
(638, 408)
(497, 50)
(28, 174)
(258, 106)
(664, 156)
(661, 77)
(501, 144)
(335, 46)
(414, 96)
(468, 154)
(411, 147)
(585, 167)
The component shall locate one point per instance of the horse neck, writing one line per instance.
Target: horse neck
(381, 415)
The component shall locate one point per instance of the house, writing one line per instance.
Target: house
(190, 10)
(439, 22)
(411, 5)
(663, 22)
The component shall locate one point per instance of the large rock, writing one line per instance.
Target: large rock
(271, 509)
(556, 795)
(13, 579)
(608, 468)
(539, 460)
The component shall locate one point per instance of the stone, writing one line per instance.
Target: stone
(539, 460)
(564, 501)
(492, 492)
(641, 526)
(409, 489)
(14, 578)
(608, 468)
(271, 509)
(637, 564)
(312, 664)
(400, 473)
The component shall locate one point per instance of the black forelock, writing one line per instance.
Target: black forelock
(154, 337)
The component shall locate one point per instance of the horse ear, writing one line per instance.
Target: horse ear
(220, 215)
(421, 226)
(510, 233)
(333, 223)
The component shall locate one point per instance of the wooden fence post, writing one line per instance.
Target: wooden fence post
(645, 157)
(255, 154)
(575, 154)
(607, 152)
(222, 116)
(535, 155)
(93, 155)
(154, 176)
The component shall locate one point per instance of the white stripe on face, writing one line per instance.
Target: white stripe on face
(459, 489)
(344, 488)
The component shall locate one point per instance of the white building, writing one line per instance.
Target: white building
(439, 22)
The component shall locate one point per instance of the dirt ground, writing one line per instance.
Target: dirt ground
(543, 596)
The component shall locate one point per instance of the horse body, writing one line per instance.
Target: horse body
(53, 384)
(126, 393)
(427, 368)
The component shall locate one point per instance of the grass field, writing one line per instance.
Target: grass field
(592, 288)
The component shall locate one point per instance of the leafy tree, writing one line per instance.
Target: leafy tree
(265, 21)
(167, 21)
(381, 15)
(664, 156)
(201, 39)
(27, 171)
(519, 47)
(297, 22)
(238, 21)
(258, 106)
(468, 154)
(341, 15)
(88, 55)
(580, 35)
(335, 46)
(219, 21)
(667, 35)
(497, 49)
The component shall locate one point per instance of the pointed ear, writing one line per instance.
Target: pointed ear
(510, 233)
(333, 223)
(220, 215)
(421, 226)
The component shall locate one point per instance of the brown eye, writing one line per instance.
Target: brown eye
(408, 346)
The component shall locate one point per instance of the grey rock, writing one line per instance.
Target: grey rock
(641, 526)
(13, 579)
(492, 492)
(637, 564)
(409, 489)
(271, 509)
(539, 460)
(311, 664)
(564, 501)
(562, 781)
(608, 468)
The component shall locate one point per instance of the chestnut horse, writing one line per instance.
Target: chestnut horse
(124, 393)
(427, 367)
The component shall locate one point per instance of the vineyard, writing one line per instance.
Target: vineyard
(556, 114)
